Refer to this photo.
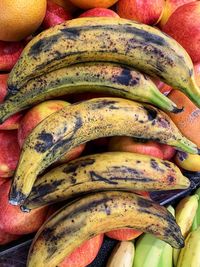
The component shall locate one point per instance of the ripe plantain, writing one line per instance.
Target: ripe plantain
(107, 39)
(98, 213)
(88, 120)
(110, 170)
(104, 77)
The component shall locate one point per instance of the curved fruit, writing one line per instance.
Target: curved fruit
(97, 213)
(110, 78)
(196, 221)
(122, 255)
(189, 255)
(185, 213)
(107, 39)
(187, 161)
(114, 170)
(88, 120)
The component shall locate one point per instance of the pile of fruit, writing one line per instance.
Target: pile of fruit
(99, 107)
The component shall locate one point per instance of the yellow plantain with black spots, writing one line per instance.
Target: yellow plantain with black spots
(85, 121)
(104, 77)
(98, 213)
(110, 170)
(106, 39)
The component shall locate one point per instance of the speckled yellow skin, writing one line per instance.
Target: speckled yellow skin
(107, 39)
(111, 170)
(85, 121)
(96, 77)
(95, 214)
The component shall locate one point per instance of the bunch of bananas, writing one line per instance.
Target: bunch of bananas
(112, 56)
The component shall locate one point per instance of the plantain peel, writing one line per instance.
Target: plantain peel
(85, 121)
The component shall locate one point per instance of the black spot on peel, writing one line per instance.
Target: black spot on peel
(104, 104)
(71, 33)
(155, 165)
(11, 90)
(151, 113)
(143, 203)
(99, 178)
(125, 78)
(72, 167)
(44, 189)
(45, 141)
(171, 179)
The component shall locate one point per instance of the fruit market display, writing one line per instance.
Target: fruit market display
(100, 109)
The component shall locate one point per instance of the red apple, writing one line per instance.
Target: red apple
(145, 11)
(128, 144)
(55, 14)
(67, 4)
(99, 12)
(124, 234)
(87, 4)
(9, 54)
(3, 180)
(184, 26)
(6, 238)
(169, 8)
(163, 87)
(9, 153)
(85, 254)
(13, 220)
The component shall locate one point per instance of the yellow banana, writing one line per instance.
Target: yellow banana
(98, 213)
(189, 255)
(110, 170)
(104, 77)
(185, 213)
(88, 120)
(107, 39)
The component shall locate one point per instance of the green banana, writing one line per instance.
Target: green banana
(122, 255)
(111, 170)
(196, 221)
(107, 39)
(151, 251)
(104, 77)
(88, 120)
(98, 213)
(185, 213)
(189, 255)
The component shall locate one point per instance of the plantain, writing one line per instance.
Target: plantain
(88, 120)
(95, 214)
(109, 78)
(106, 39)
(110, 170)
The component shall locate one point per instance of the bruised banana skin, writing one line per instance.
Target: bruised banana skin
(104, 77)
(85, 121)
(110, 170)
(107, 39)
(95, 214)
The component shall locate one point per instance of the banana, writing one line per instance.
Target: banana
(153, 252)
(185, 213)
(196, 221)
(98, 213)
(110, 170)
(104, 77)
(106, 39)
(122, 255)
(189, 255)
(88, 120)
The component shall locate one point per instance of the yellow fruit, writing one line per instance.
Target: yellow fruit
(20, 18)
(188, 161)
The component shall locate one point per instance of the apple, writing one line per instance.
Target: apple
(9, 153)
(55, 14)
(9, 54)
(67, 4)
(87, 4)
(99, 12)
(84, 254)
(128, 144)
(13, 220)
(184, 26)
(163, 87)
(169, 8)
(123, 234)
(144, 11)
(6, 238)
